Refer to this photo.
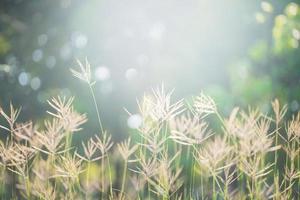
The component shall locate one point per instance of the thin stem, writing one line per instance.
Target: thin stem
(88, 178)
(102, 178)
(214, 190)
(250, 190)
(218, 184)
(226, 191)
(202, 188)
(124, 178)
(220, 118)
(148, 187)
(276, 143)
(27, 181)
(253, 187)
(96, 107)
(192, 172)
(110, 179)
(3, 182)
(68, 142)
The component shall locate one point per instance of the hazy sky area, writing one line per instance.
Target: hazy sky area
(132, 46)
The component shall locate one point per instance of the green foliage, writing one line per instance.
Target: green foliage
(286, 29)
(4, 45)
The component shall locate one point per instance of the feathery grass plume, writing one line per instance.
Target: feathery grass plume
(147, 166)
(104, 144)
(154, 143)
(24, 131)
(256, 175)
(1, 126)
(85, 72)
(16, 158)
(166, 181)
(61, 105)
(4, 153)
(90, 151)
(204, 105)
(13, 154)
(69, 167)
(252, 167)
(10, 118)
(27, 132)
(157, 106)
(67, 170)
(291, 175)
(291, 152)
(188, 130)
(259, 141)
(242, 124)
(278, 110)
(293, 128)
(71, 120)
(85, 75)
(51, 137)
(19, 157)
(42, 190)
(125, 150)
(213, 155)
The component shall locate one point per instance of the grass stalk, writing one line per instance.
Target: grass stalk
(96, 107)
(124, 177)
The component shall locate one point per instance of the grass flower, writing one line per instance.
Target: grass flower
(85, 72)
(204, 104)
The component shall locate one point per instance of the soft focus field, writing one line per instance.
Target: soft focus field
(174, 154)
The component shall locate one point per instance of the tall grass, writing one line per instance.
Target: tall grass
(178, 152)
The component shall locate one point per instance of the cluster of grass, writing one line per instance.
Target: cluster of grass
(178, 154)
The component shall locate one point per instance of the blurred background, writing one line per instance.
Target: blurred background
(238, 51)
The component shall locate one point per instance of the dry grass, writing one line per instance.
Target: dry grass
(176, 154)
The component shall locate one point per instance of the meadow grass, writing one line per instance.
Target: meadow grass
(177, 152)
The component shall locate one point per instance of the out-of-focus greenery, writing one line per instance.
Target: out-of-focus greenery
(272, 66)
(241, 52)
